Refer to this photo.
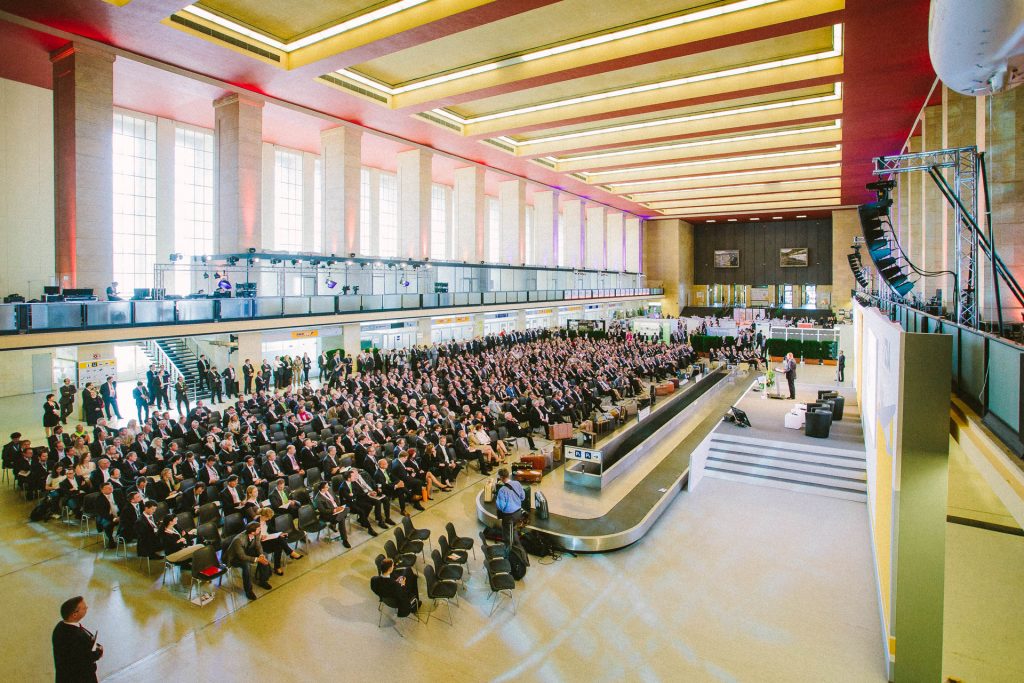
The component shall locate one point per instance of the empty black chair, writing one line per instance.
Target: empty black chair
(233, 525)
(285, 525)
(818, 423)
(440, 589)
(295, 481)
(202, 561)
(309, 521)
(459, 542)
(210, 512)
(501, 583)
(446, 570)
(185, 522)
(414, 534)
(448, 554)
(209, 534)
(313, 477)
(408, 545)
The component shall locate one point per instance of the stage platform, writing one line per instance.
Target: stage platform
(769, 454)
(588, 520)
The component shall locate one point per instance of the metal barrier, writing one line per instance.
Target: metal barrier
(988, 371)
(21, 318)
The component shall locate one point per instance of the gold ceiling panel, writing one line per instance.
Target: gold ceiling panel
(762, 207)
(537, 44)
(746, 199)
(648, 189)
(745, 143)
(745, 117)
(287, 20)
(320, 40)
(704, 63)
(778, 98)
(676, 196)
(815, 155)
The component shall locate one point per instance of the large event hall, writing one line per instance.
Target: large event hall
(512, 340)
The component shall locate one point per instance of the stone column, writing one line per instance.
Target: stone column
(341, 150)
(512, 203)
(631, 238)
(521, 320)
(414, 203)
(545, 228)
(845, 227)
(238, 128)
(573, 229)
(614, 242)
(1005, 162)
(424, 330)
(668, 253)
(351, 336)
(250, 345)
(594, 238)
(83, 136)
(470, 206)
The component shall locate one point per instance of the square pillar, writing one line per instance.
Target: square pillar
(573, 228)
(238, 129)
(414, 204)
(341, 151)
(614, 244)
(594, 238)
(308, 213)
(512, 210)
(545, 228)
(470, 206)
(83, 136)
(351, 334)
(631, 238)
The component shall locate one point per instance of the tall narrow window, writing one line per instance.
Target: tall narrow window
(193, 198)
(364, 212)
(387, 232)
(493, 230)
(810, 296)
(318, 206)
(439, 222)
(134, 239)
(287, 201)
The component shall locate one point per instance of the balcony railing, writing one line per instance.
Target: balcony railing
(49, 317)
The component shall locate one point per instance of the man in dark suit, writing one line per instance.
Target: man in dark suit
(355, 500)
(142, 400)
(108, 390)
(131, 513)
(230, 383)
(248, 370)
(244, 550)
(331, 512)
(280, 500)
(214, 384)
(203, 369)
(146, 531)
(399, 586)
(789, 368)
(841, 363)
(75, 650)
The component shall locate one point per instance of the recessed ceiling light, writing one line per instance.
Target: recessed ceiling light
(712, 220)
(329, 32)
(801, 216)
(700, 143)
(834, 51)
(755, 219)
(837, 93)
(776, 218)
(716, 160)
(732, 220)
(566, 47)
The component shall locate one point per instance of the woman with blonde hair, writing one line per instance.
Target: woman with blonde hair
(274, 543)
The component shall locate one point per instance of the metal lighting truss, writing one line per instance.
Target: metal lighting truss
(963, 197)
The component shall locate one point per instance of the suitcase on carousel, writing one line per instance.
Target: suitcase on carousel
(535, 461)
(559, 431)
(528, 476)
(664, 389)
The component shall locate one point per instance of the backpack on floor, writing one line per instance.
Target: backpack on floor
(41, 512)
(535, 544)
(518, 561)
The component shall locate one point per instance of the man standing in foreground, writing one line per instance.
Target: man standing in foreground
(789, 367)
(509, 502)
(75, 649)
(841, 366)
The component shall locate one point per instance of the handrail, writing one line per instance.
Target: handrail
(21, 318)
(162, 358)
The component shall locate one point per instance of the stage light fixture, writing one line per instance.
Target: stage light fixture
(355, 289)
(224, 286)
(331, 284)
(345, 289)
(295, 261)
(252, 250)
(175, 257)
(216, 275)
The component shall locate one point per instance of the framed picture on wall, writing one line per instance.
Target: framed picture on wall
(793, 257)
(729, 258)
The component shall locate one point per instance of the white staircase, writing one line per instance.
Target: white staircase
(810, 468)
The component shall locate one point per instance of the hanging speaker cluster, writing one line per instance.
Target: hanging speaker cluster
(882, 246)
(860, 273)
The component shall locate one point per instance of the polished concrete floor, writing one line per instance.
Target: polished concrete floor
(734, 583)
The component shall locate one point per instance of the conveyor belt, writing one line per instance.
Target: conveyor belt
(636, 512)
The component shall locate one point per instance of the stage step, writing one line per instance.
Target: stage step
(810, 468)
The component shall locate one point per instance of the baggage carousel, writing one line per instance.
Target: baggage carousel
(600, 521)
